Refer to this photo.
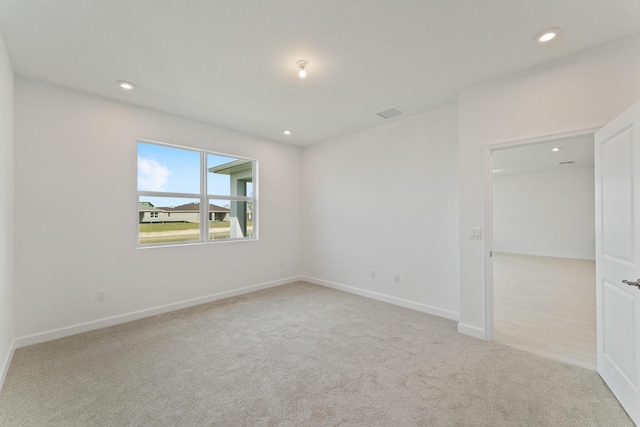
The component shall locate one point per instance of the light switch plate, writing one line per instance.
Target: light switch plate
(475, 233)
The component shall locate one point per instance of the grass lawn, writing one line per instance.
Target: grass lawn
(147, 228)
(178, 231)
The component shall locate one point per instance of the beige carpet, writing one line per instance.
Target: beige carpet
(296, 355)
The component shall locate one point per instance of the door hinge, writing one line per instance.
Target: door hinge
(490, 254)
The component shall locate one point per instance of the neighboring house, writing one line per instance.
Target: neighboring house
(148, 213)
(183, 213)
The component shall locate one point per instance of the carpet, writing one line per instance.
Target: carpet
(296, 355)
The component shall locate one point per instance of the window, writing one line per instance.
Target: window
(187, 195)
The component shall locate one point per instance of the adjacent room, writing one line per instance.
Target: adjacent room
(544, 282)
(192, 228)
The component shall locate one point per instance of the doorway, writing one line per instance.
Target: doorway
(542, 238)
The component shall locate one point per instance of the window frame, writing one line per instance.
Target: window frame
(203, 197)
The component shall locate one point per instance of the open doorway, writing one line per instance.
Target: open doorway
(543, 244)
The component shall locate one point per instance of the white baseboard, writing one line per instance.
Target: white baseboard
(4, 368)
(447, 314)
(553, 255)
(471, 331)
(128, 317)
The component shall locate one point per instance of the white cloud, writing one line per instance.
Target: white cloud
(152, 176)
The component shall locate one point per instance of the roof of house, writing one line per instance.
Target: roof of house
(228, 168)
(147, 207)
(194, 207)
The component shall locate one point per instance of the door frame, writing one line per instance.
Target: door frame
(487, 179)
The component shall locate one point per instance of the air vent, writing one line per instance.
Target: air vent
(566, 163)
(390, 113)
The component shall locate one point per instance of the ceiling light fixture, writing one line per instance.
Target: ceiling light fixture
(301, 64)
(126, 85)
(548, 35)
(287, 132)
(555, 149)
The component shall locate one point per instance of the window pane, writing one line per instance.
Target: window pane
(169, 169)
(168, 219)
(228, 176)
(219, 219)
(230, 219)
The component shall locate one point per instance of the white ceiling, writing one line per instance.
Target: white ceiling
(539, 157)
(232, 63)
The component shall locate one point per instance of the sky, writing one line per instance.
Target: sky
(162, 168)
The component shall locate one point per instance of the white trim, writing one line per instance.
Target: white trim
(487, 181)
(231, 198)
(184, 147)
(256, 203)
(487, 175)
(436, 311)
(552, 255)
(4, 368)
(148, 193)
(135, 315)
(472, 331)
(195, 195)
(204, 202)
(542, 138)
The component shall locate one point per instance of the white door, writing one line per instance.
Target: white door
(617, 171)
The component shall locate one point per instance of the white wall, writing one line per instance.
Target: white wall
(385, 199)
(75, 160)
(545, 213)
(577, 93)
(7, 219)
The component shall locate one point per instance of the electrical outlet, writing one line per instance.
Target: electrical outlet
(396, 278)
(281, 264)
(373, 274)
(102, 295)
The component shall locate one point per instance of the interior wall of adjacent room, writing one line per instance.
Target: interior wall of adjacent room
(384, 200)
(580, 92)
(76, 192)
(545, 213)
(7, 214)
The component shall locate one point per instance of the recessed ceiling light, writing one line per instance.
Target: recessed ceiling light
(287, 132)
(555, 149)
(548, 35)
(126, 85)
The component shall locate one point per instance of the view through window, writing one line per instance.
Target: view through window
(187, 195)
